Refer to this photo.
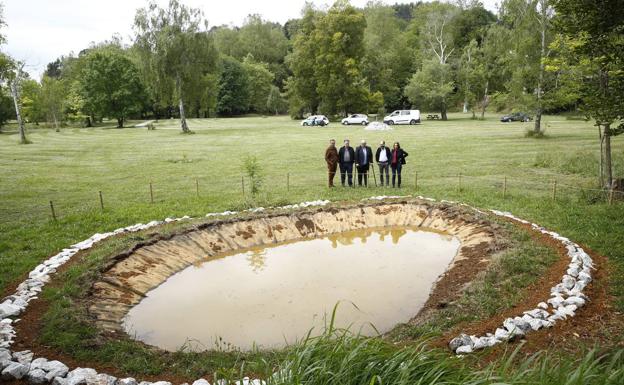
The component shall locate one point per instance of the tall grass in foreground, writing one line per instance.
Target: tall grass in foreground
(339, 357)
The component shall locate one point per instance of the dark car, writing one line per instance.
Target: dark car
(516, 117)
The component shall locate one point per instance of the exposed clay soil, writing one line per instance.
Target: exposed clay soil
(597, 322)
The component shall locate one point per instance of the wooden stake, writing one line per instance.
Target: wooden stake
(151, 193)
(101, 201)
(505, 187)
(611, 196)
(52, 208)
(554, 191)
(197, 186)
(287, 181)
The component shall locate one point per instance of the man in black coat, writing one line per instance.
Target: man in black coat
(346, 158)
(363, 159)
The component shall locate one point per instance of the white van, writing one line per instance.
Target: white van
(403, 117)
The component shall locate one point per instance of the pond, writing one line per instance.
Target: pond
(272, 296)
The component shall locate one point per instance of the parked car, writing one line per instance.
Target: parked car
(516, 117)
(355, 119)
(403, 117)
(315, 120)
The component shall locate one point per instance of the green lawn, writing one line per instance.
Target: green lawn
(71, 167)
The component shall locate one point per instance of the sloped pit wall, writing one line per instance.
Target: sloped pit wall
(133, 274)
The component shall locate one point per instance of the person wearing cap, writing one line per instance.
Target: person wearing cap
(382, 156)
(363, 159)
(331, 157)
(346, 158)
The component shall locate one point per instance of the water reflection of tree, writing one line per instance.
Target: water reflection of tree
(257, 259)
(347, 238)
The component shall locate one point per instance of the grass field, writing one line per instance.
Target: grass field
(71, 167)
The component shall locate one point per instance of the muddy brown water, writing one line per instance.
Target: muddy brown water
(271, 296)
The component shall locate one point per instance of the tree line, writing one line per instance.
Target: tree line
(539, 56)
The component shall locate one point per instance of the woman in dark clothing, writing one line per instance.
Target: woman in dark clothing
(397, 160)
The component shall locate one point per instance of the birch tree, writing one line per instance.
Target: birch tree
(175, 47)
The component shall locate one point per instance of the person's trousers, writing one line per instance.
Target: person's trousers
(331, 172)
(363, 174)
(346, 170)
(396, 171)
(384, 166)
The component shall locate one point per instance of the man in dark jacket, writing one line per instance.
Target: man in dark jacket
(346, 157)
(331, 157)
(363, 159)
(382, 156)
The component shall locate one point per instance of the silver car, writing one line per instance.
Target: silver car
(360, 119)
(315, 120)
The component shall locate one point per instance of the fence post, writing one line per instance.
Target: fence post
(611, 196)
(505, 187)
(52, 208)
(101, 201)
(415, 180)
(151, 193)
(554, 191)
(243, 184)
(459, 182)
(287, 181)
(197, 186)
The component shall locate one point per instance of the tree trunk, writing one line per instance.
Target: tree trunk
(540, 80)
(18, 112)
(183, 124)
(56, 125)
(485, 99)
(607, 155)
(443, 111)
(465, 106)
(120, 122)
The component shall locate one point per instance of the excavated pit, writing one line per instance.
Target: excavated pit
(266, 281)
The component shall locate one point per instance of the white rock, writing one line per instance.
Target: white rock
(15, 371)
(161, 383)
(7, 309)
(23, 357)
(568, 282)
(543, 305)
(37, 377)
(81, 376)
(502, 334)
(556, 301)
(59, 381)
(55, 369)
(38, 363)
(201, 381)
(465, 349)
(127, 381)
(103, 379)
(461, 340)
(5, 354)
(577, 301)
(537, 313)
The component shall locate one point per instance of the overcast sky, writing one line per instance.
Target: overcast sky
(39, 31)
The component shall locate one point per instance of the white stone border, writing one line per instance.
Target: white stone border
(566, 298)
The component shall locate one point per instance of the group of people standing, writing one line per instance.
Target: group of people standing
(362, 157)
